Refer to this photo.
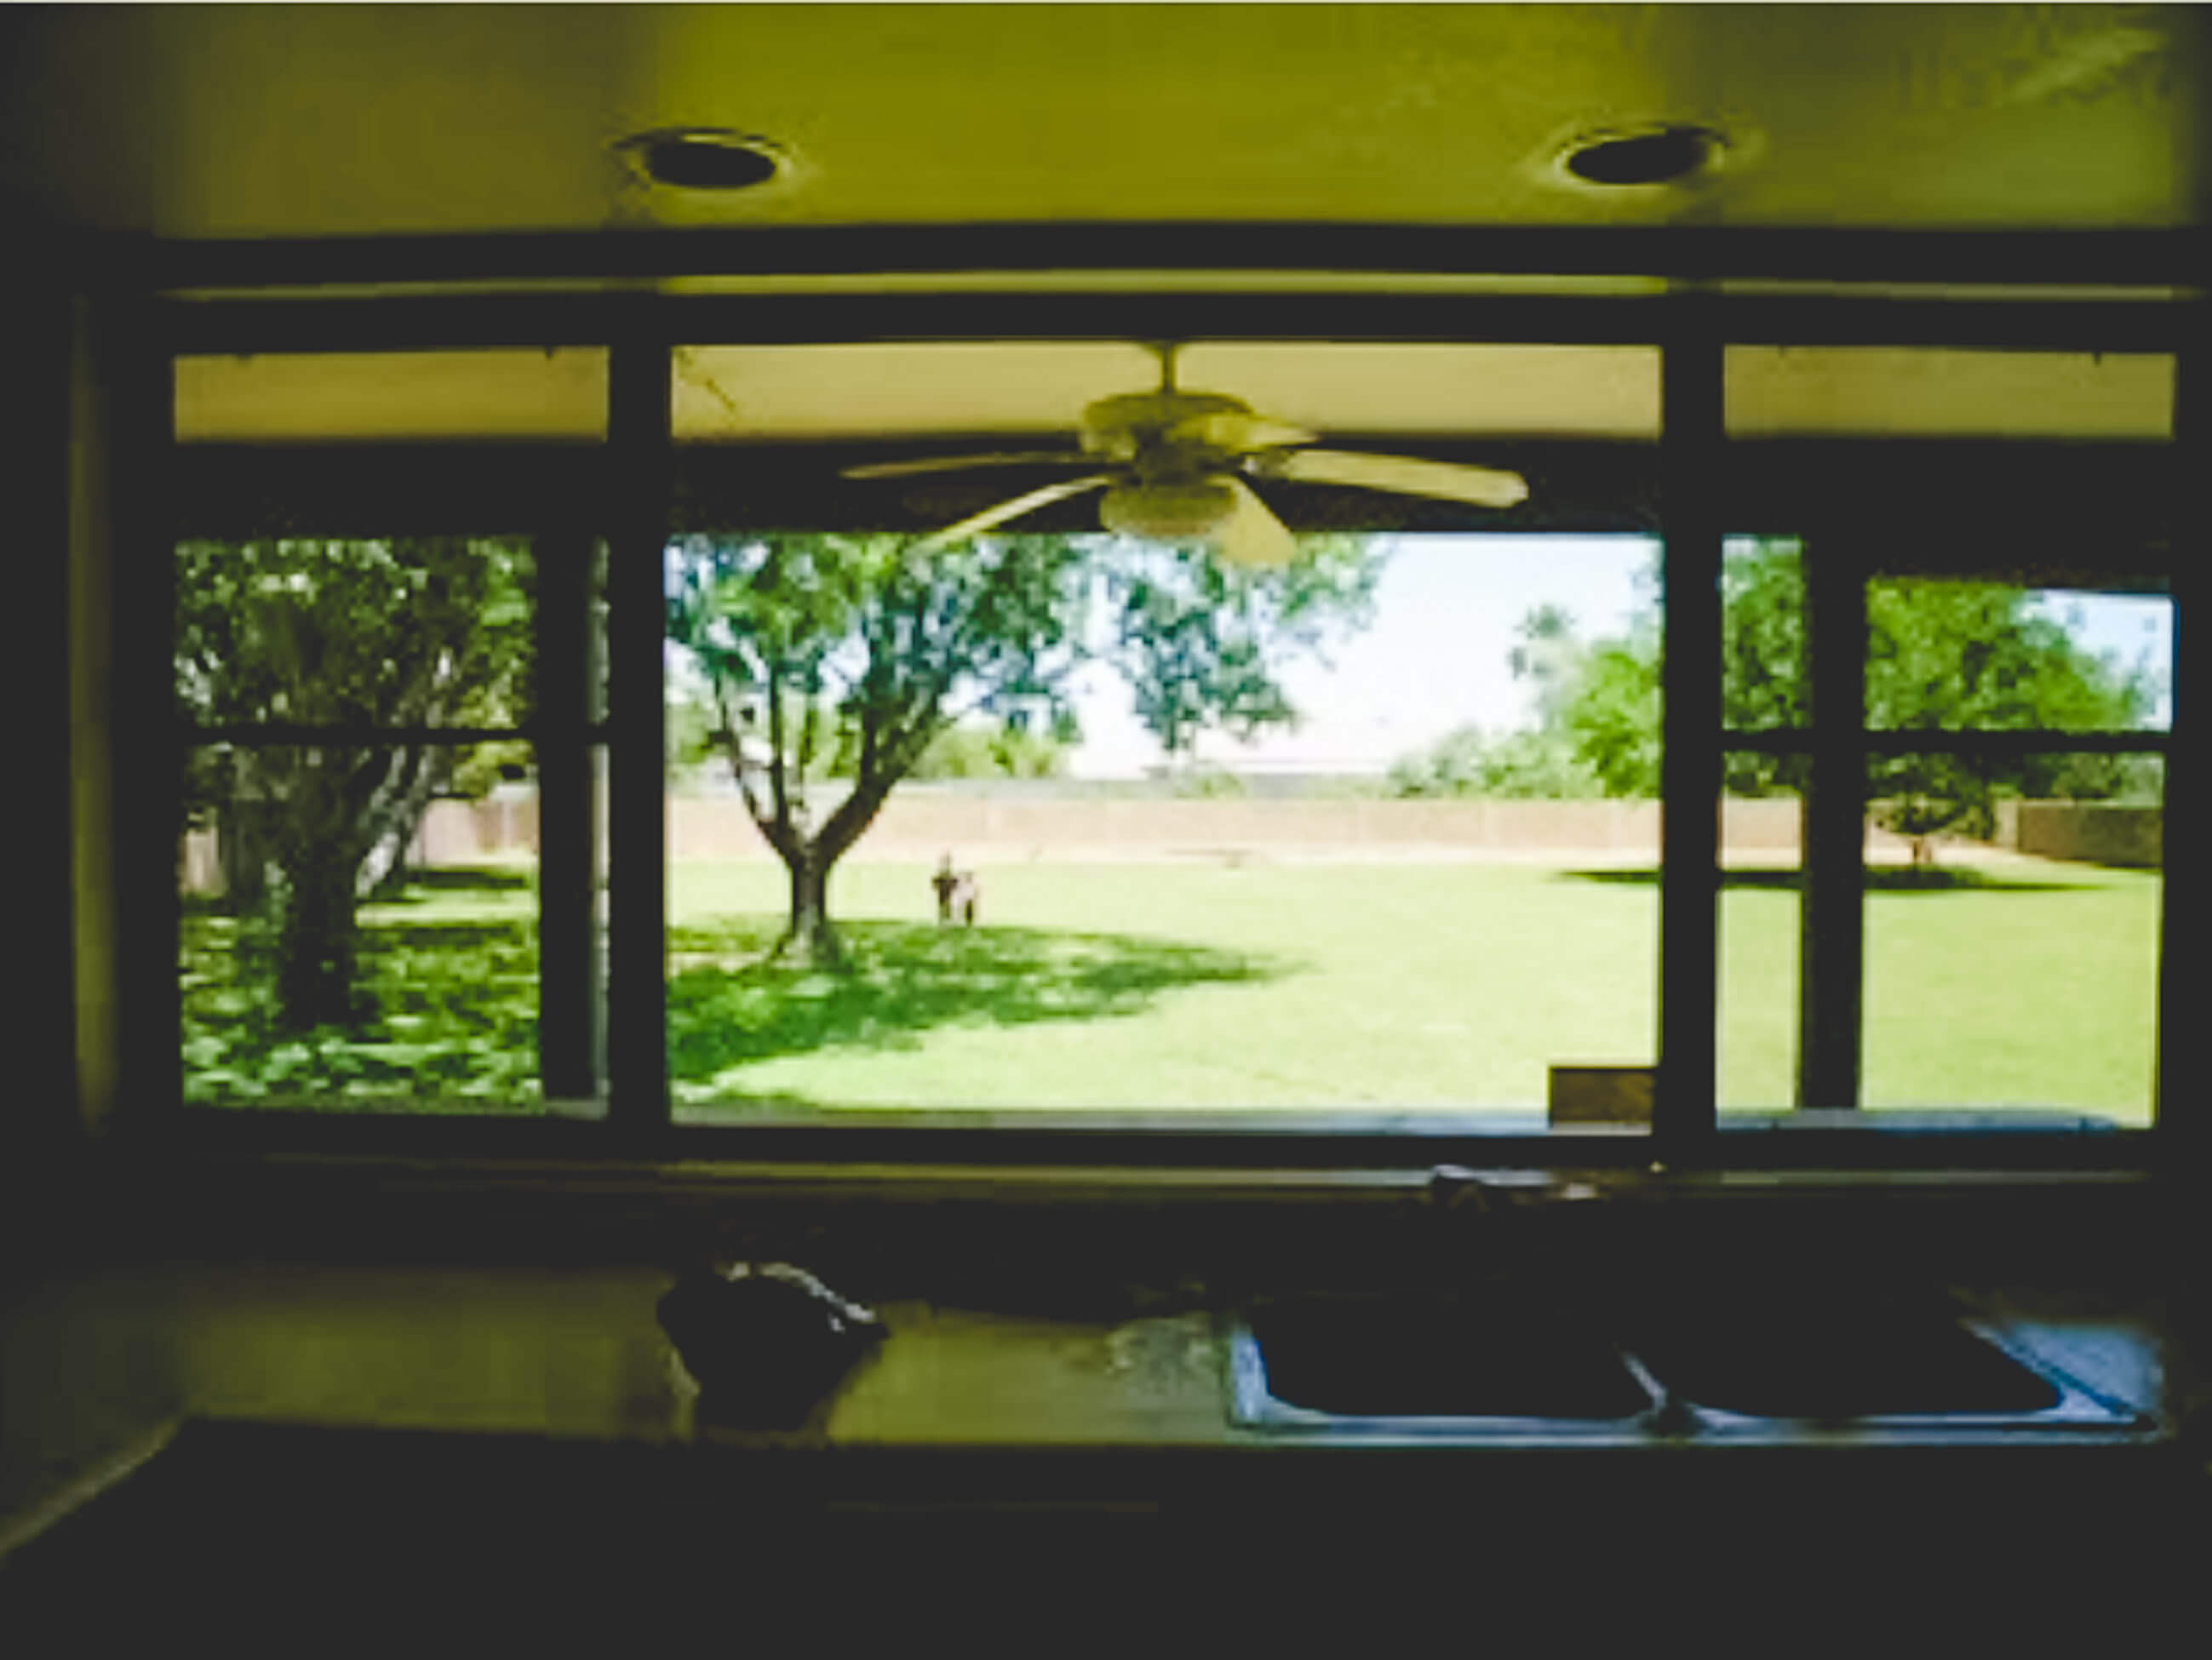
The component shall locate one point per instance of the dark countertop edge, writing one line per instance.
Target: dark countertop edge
(1238, 1446)
(831, 1475)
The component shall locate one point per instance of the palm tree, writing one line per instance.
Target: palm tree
(1550, 657)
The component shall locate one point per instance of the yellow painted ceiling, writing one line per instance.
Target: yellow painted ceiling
(252, 121)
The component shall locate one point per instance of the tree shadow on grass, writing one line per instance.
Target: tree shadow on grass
(422, 884)
(728, 1005)
(445, 938)
(449, 1020)
(1886, 880)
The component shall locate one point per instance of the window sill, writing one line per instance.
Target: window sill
(1312, 1143)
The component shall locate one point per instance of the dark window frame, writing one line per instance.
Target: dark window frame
(632, 488)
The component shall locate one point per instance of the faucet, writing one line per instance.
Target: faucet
(1456, 1188)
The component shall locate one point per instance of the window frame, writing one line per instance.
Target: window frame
(1690, 325)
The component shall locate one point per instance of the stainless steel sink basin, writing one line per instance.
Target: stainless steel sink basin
(1743, 1367)
(1411, 1363)
(1863, 1360)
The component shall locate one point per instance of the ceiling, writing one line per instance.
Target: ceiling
(273, 121)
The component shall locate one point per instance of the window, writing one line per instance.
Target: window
(1374, 845)
(390, 872)
(1963, 698)
(1240, 840)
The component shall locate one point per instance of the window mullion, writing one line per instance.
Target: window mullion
(640, 476)
(1830, 916)
(568, 958)
(1692, 435)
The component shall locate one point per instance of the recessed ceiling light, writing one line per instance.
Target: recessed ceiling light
(704, 158)
(1643, 158)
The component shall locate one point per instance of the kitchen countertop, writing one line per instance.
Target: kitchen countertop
(1062, 1358)
(577, 1353)
(303, 1414)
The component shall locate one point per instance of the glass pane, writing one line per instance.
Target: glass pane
(1428, 892)
(1763, 661)
(1762, 863)
(1951, 655)
(360, 925)
(512, 395)
(891, 389)
(1913, 391)
(2012, 934)
(399, 631)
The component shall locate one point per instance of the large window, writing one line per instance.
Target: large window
(1052, 816)
(981, 783)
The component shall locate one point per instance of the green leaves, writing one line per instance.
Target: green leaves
(407, 630)
(1942, 656)
(891, 648)
(981, 751)
(1201, 644)
(1509, 766)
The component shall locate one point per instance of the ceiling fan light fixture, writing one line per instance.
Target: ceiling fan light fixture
(705, 158)
(1168, 513)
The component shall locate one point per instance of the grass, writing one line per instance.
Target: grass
(451, 967)
(1277, 985)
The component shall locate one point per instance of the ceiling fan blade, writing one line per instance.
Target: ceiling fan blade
(955, 463)
(1401, 474)
(1011, 508)
(1237, 432)
(1252, 536)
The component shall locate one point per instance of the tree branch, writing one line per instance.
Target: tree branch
(776, 783)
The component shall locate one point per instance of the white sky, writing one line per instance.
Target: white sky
(1433, 658)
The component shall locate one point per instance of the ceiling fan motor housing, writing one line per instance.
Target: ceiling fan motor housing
(1166, 436)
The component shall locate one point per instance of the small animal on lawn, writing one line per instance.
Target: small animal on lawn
(957, 893)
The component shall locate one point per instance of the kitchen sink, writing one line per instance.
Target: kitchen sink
(1855, 1357)
(1725, 1365)
(1409, 1362)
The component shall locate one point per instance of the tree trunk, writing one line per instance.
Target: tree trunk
(809, 928)
(242, 840)
(394, 820)
(317, 942)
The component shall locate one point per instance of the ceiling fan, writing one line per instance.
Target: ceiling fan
(1174, 465)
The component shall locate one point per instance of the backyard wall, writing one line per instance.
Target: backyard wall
(2090, 831)
(922, 826)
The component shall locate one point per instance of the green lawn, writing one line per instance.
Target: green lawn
(1275, 986)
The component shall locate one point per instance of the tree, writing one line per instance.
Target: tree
(981, 750)
(1539, 762)
(405, 632)
(1952, 655)
(1941, 655)
(1514, 766)
(858, 650)
(1201, 643)
(1550, 657)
